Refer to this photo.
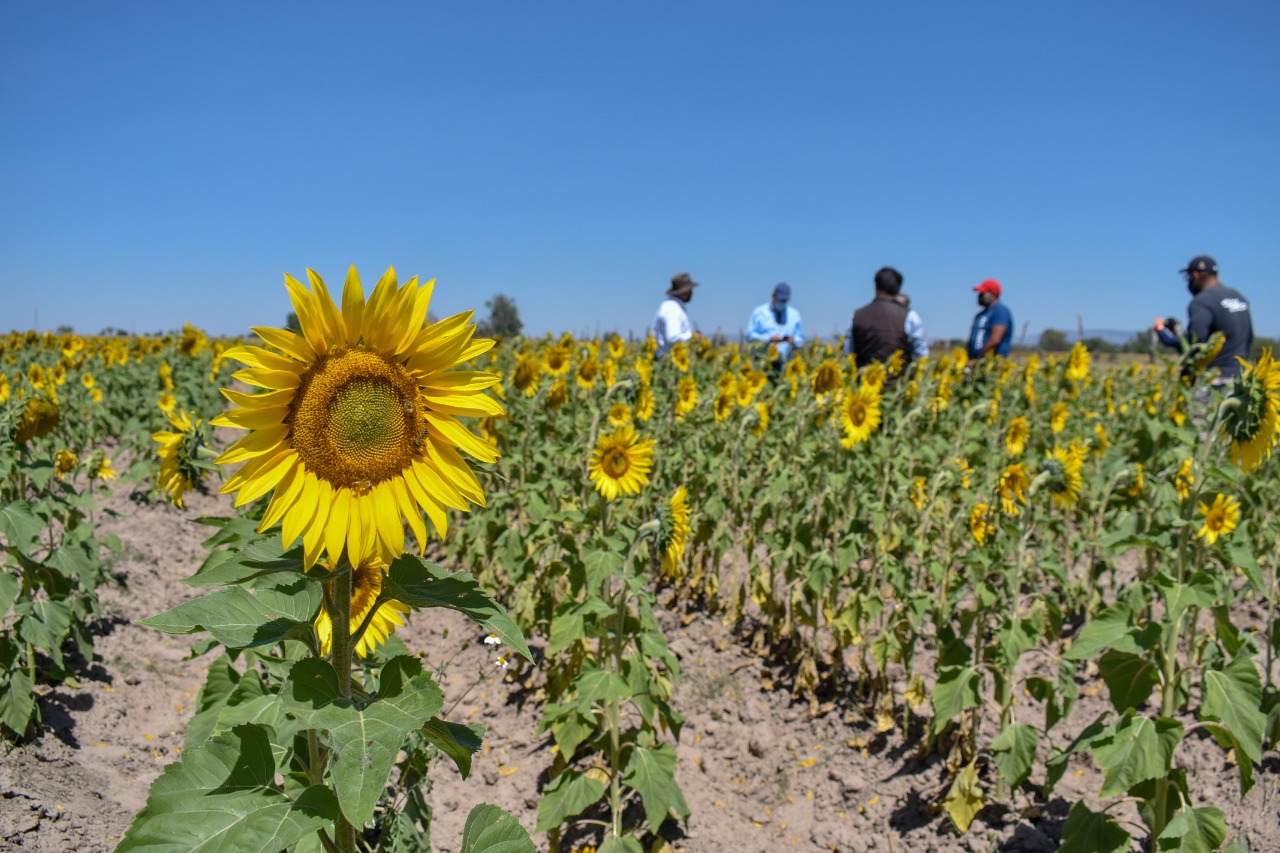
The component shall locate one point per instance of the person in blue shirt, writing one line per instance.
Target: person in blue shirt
(776, 322)
(992, 330)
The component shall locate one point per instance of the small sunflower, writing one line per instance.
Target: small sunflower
(100, 467)
(588, 372)
(675, 532)
(680, 356)
(1184, 479)
(39, 417)
(1058, 416)
(167, 402)
(619, 413)
(358, 427)
(1220, 518)
(1078, 364)
(918, 493)
(617, 348)
(1014, 483)
(724, 405)
(556, 360)
(686, 397)
(524, 376)
(87, 380)
(896, 362)
(860, 415)
(1252, 420)
(761, 425)
(1017, 435)
(1101, 441)
(981, 527)
(727, 382)
(874, 375)
(64, 463)
(558, 395)
(744, 392)
(620, 463)
(826, 377)
(178, 450)
(644, 402)
(1065, 480)
(366, 584)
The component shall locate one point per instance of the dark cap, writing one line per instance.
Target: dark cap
(1201, 263)
(681, 284)
(782, 292)
(989, 286)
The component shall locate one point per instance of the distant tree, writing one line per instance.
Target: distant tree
(504, 318)
(291, 323)
(64, 330)
(1259, 344)
(1053, 340)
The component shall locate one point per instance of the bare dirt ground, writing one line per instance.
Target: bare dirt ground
(758, 771)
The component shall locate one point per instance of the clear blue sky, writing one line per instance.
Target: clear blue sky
(165, 162)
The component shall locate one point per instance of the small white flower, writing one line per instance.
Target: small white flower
(492, 640)
(501, 663)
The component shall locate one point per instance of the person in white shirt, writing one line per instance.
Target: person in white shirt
(671, 323)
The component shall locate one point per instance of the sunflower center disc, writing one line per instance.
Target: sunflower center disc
(615, 462)
(354, 419)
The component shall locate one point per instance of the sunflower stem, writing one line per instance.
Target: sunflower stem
(340, 619)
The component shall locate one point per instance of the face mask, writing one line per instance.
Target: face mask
(982, 300)
(1191, 288)
(780, 312)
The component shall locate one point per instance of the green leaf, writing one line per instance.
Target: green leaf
(418, 583)
(17, 701)
(965, 799)
(364, 737)
(1200, 592)
(220, 681)
(10, 586)
(1194, 831)
(957, 688)
(1092, 832)
(1135, 749)
(1015, 752)
(44, 624)
(599, 565)
(569, 794)
(1109, 629)
(1241, 554)
(455, 740)
(491, 830)
(652, 773)
(621, 844)
(256, 559)
(1233, 697)
(222, 797)
(239, 618)
(19, 525)
(1129, 677)
(599, 685)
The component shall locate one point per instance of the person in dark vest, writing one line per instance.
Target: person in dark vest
(879, 328)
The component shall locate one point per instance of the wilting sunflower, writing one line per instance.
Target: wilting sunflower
(1014, 483)
(620, 463)
(761, 425)
(981, 526)
(524, 376)
(1058, 416)
(1203, 354)
(674, 533)
(686, 396)
(619, 413)
(860, 415)
(680, 356)
(366, 584)
(826, 376)
(100, 467)
(39, 417)
(1016, 436)
(177, 452)
(1220, 518)
(558, 395)
(918, 493)
(64, 462)
(1252, 420)
(1063, 466)
(1184, 479)
(359, 427)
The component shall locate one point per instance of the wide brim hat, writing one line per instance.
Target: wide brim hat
(681, 283)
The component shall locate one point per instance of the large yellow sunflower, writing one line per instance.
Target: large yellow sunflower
(358, 427)
(620, 462)
(860, 415)
(366, 584)
(1220, 518)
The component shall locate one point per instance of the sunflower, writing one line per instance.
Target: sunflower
(1204, 354)
(918, 493)
(167, 402)
(680, 356)
(177, 452)
(874, 375)
(896, 362)
(1063, 466)
(620, 462)
(826, 376)
(1101, 441)
(617, 348)
(644, 402)
(675, 532)
(556, 360)
(1136, 481)
(64, 462)
(727, 382)
(366, 584)
(558, 395)
(193, 341)
(166, 376)
(1078, 364)
(524, 376)
(1220, 518)
(1017, 435)
(650, 346)
(358, 428)
(1252, 420)
(761, 425)
(724, 406)
(588, 372)
(686, 396)
(87, 380)
(1184, 479)
(1058, 416)
(981, 527)
(860, 415)
(744, 392)
(619, 413)
(1014, 483)
(39, 417)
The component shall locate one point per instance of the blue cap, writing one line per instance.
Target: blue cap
(782, 292)
(1201, 263)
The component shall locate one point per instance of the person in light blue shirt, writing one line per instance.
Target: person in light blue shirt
(992, 330)
(776, 322)
(914, 327)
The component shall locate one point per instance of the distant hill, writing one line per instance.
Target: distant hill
(1111, 336)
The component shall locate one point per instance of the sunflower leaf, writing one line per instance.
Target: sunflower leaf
(240, 619)
(489, 829)
(418, 583)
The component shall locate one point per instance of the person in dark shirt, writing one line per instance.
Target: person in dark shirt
(992, 330)
(1214, 307)
(879, 328)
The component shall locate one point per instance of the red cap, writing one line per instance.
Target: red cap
(989, 286)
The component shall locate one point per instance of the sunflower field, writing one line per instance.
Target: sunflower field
(955, 554)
